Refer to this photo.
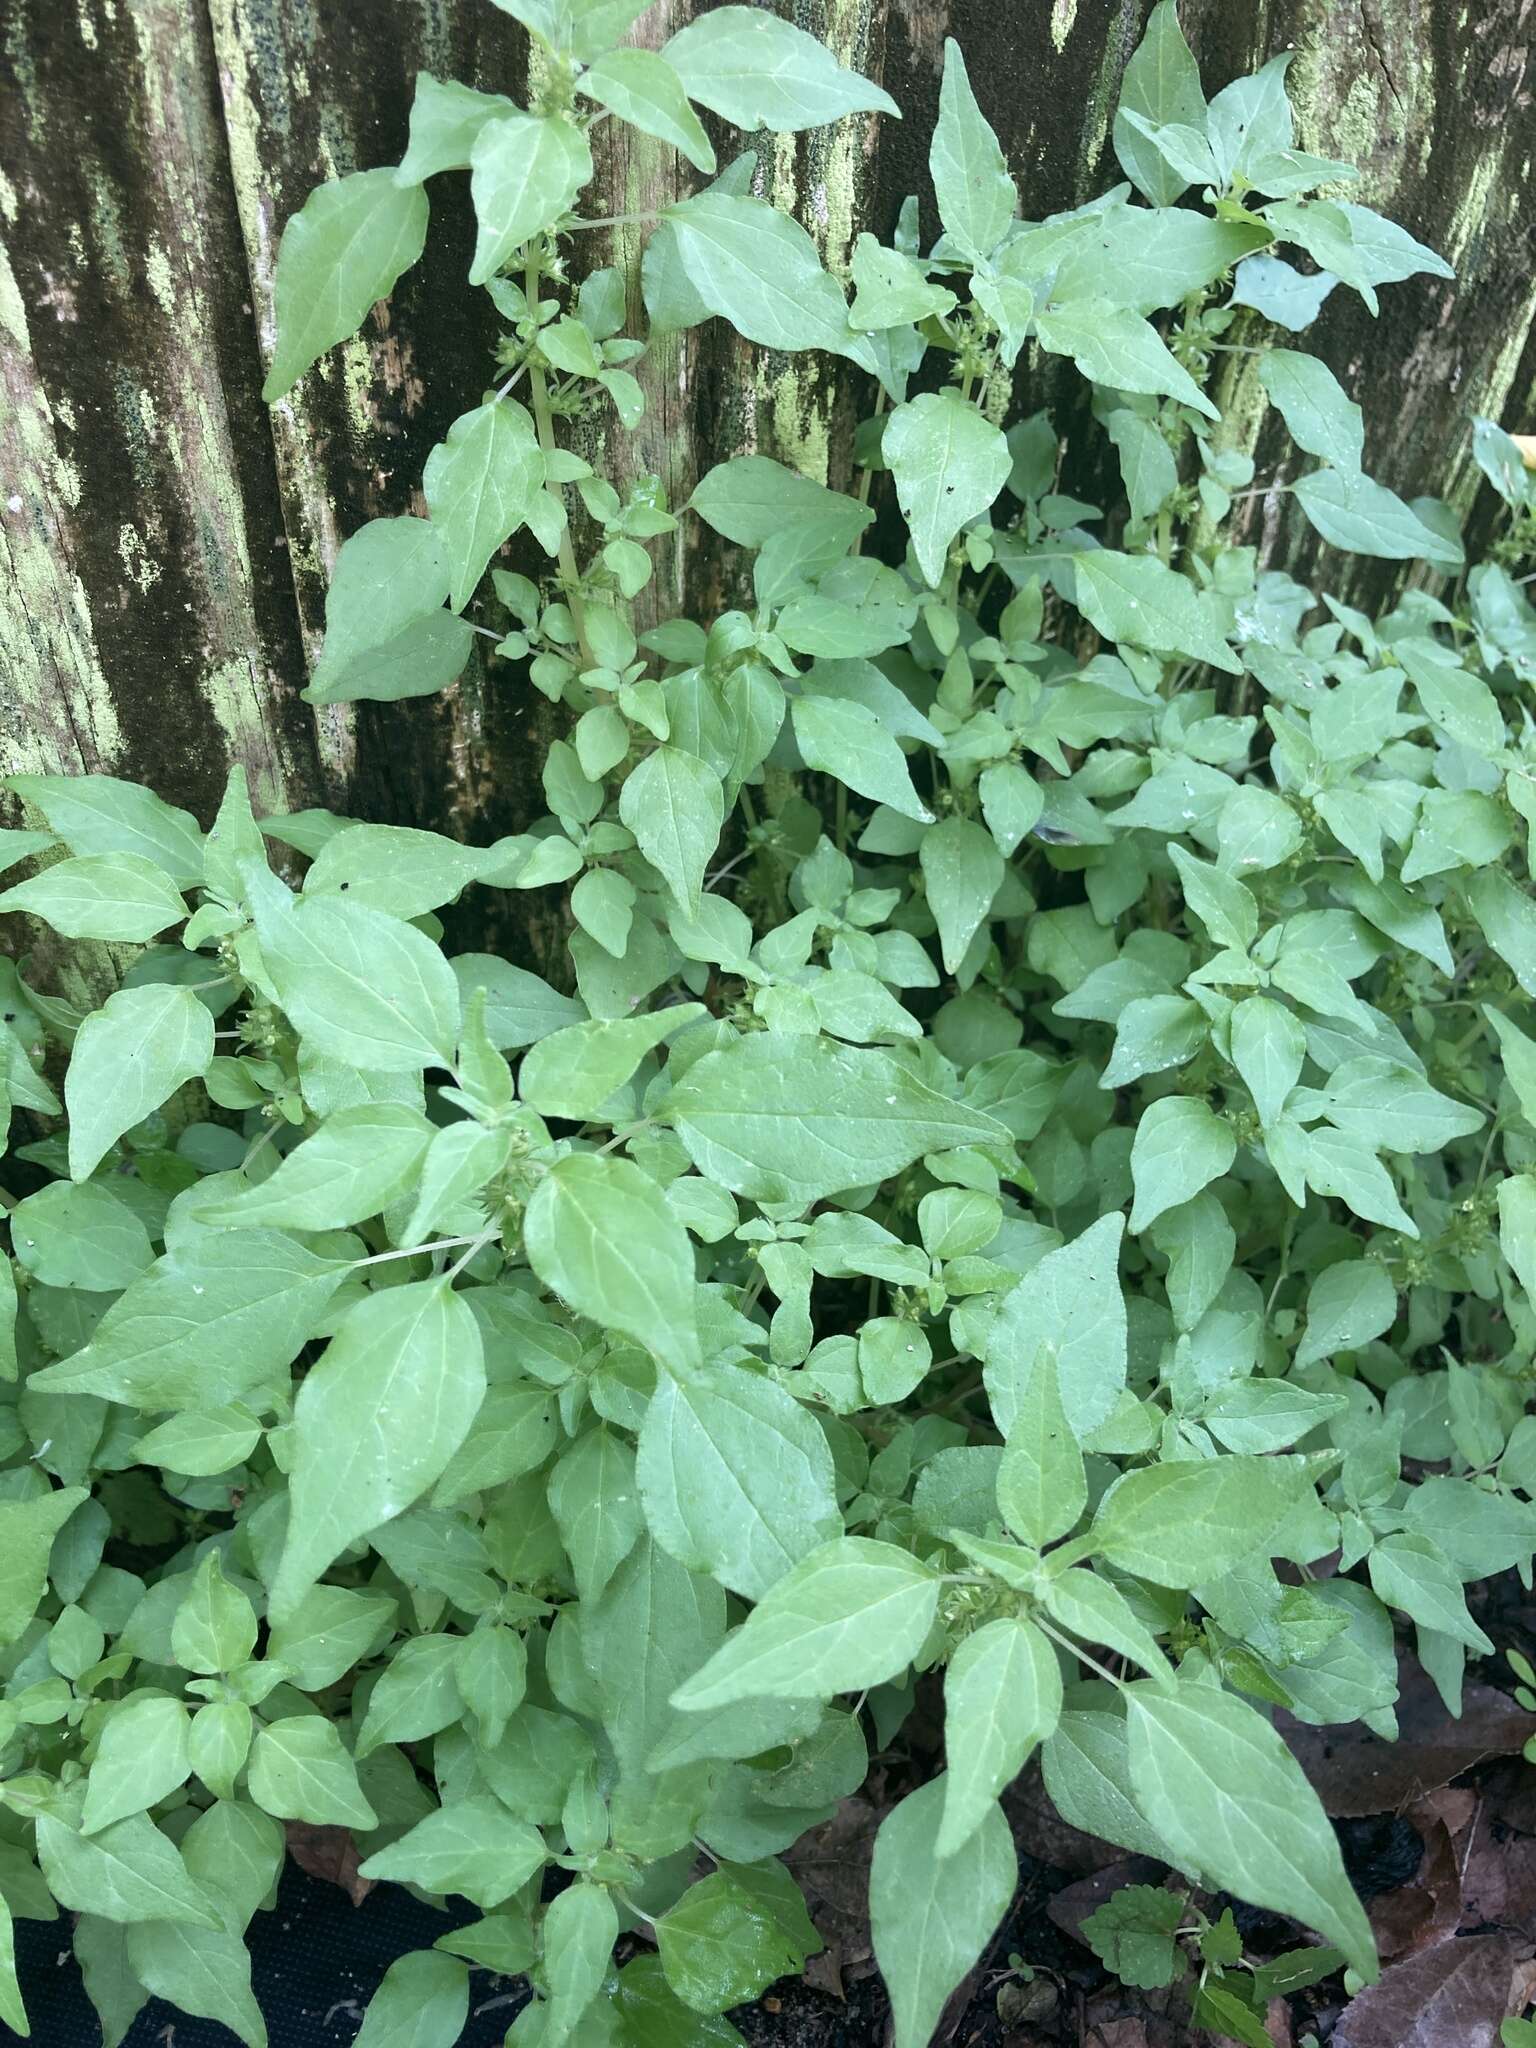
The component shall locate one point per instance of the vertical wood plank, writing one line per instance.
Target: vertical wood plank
(145, 625)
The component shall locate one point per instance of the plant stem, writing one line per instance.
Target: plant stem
(416, 1251)
(543, 422)
(615, 220)
(1075, 1649)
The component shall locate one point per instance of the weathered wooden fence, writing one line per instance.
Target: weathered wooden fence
(166, 537)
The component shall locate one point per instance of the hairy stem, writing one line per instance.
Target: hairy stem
(544, 426)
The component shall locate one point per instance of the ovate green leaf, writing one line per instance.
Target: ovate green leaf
(762, 72)
(675, 805)
(481, 484)
(1002, 1696)
(340, 253)
(375, 1423)
(932, 1917)
(736, 1478)
(598, 1233)
(130, 1056)
(852, 1614)
(645, 90)
(975, 194)
(948, 463)
(1232, 1802)
(796, 1119)
(526, 170)
(1179, 1524)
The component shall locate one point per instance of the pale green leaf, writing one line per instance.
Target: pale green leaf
(356, 1164)
(300, 1770)
(1322, 418)
(361, 986)
(203, 1971)
(1162, 85)
(1179, 1524)
(141, 1758)
(472, 1846)
(375, 1423)
(1117, 348)
(1232, 1802)
(130, 1056)
(1002, 1696)
(948, 463)
(572, 1073)
(526, 170)
(422, 2002)
(759, 71)
(340, 254)
(852, 1614)
(210, 1320)
(116, 896)
(736, 1478)
(645, 90)
(1068, 1307)
(481, 484)
(100, 814)
(127, 1873)
(27, 1530)
(962, 873)
(975, 194)
(1181, 1146)
(675, 805)
(931, 1918)
(598, 1233)
(1136, 599)
(445, 119)
(848, 740)
(794, 1120)
(755, 267)
(1351, 511)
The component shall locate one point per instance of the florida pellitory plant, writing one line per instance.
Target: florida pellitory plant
(1034, 1182)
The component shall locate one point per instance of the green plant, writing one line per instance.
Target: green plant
(564, 1463)
(1152, 1937)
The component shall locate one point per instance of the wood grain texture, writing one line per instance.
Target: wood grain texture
(166, 538)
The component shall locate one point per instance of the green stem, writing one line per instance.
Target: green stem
(867, 476)
(416, 1251)
(544, 425)
(615, 220)
(1075, 1649)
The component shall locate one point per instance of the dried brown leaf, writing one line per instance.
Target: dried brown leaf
(1427, 1910)
(1356, 1773)
(1450, 1996)
(329, 1854)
